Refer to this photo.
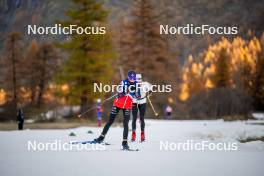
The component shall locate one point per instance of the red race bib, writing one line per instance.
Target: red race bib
(123, 102)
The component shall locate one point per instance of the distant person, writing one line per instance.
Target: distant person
(20, 119)
(139, 105)
(99, 111)
(168, 112)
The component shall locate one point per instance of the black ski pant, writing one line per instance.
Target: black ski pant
(20, 125)
(142, 110)
(113, 114)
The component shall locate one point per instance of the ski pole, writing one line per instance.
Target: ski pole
(152, 107)
(81, 114)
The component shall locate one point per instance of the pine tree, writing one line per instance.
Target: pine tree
(221, 78)
(90, 56)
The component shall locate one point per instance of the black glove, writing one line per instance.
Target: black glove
(149, 93)
(138, 96)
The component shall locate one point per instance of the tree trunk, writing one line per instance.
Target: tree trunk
(14, 74)
(41, 90)
(84, 103)
(42, 78)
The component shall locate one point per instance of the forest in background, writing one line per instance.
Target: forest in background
(212, 76)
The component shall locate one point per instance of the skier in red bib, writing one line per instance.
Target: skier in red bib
(126, 92)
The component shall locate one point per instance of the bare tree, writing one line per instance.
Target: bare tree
(47, 65)
(11, 62)
(31, 78)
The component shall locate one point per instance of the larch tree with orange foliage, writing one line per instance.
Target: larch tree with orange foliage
(221, 77)
(232, 72)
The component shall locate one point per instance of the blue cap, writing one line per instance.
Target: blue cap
(131, 75)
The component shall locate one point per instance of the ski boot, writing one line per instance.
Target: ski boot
(125, 145)
(133, 136)
(142, 136)
(99, 139)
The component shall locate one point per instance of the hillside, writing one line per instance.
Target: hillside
(16, 14)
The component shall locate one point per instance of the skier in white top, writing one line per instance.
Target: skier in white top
(140, 105)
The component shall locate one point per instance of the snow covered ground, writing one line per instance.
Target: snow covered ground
(150, 160)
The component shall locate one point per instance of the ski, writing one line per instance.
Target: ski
(90, 142)
(128, 149)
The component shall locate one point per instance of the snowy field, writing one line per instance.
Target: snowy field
(150, 160)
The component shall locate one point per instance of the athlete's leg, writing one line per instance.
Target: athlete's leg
(126, 113)
(111, 120)
(134, 114)
(142, 111)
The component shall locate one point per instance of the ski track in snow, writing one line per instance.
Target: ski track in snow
(148, 161)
